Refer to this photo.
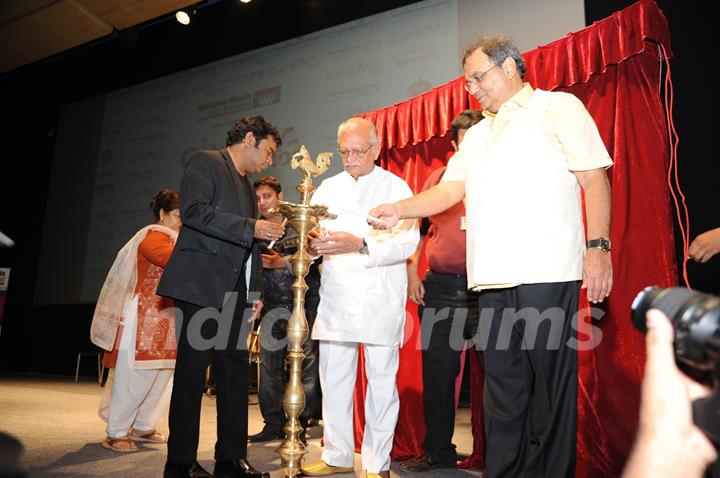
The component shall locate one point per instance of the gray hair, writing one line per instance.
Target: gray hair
(361, 124)
(497, 48)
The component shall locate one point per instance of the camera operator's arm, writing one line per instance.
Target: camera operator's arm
(706, 245)
(668, 444)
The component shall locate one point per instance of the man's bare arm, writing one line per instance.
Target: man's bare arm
(597, 268)
(430, 202)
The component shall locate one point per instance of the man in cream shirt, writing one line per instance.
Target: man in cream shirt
(521, 171)
(362, 303)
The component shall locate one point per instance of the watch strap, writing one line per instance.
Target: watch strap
(600, 243)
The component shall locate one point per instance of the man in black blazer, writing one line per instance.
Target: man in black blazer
(213, 266)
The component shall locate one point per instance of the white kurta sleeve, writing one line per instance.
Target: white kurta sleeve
(456, 168)
(396, 245)
(393, 246)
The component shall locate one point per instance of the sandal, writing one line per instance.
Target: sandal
(153, 436)
(421, 464)
(122, 444)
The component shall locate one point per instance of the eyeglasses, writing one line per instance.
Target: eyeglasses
(344, 153)
(475, 79)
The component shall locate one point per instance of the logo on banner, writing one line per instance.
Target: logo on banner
(268, 96)
(291, 143)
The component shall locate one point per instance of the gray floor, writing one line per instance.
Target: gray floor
(56, 419)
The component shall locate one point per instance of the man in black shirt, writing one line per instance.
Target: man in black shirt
(278, 302)
(213, 266)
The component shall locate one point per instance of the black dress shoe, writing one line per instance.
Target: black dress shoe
(176, 470)
(239, 468)
(265, 435)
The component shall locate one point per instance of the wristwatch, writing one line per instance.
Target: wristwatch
(601, 243)
(364, 249)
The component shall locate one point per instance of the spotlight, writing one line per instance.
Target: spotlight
(246, 1)
(182, 17)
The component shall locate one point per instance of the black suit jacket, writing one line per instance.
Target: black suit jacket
(215, 240)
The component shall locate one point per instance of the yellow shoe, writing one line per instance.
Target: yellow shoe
(320, 468)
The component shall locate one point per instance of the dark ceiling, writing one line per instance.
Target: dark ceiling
(32, 30)
(162, 46)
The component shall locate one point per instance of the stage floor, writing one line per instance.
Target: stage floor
(56, 420)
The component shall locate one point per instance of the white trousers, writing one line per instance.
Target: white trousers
(132, 398)
(338, 368)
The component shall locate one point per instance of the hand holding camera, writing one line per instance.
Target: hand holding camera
(678, 415)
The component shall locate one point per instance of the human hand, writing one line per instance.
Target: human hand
(273, 260)
(268, 230)
(669, 444)
(415, 288)
(317, 232)
(257, 306)
(597, 275)
(339, 242)
(704, 246)
(388, 215)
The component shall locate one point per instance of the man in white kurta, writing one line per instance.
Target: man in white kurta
(362, 301)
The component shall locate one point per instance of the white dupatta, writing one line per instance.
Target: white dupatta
(118, 289)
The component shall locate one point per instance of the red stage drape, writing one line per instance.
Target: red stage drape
(613, 66)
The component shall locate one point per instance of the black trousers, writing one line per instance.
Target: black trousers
(273, 352)
(229, 356)
(530, 380)
(443, 340)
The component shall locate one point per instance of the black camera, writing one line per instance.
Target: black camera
(696, 319)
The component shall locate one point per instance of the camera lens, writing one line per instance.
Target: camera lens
(696, 319)
(670, 301)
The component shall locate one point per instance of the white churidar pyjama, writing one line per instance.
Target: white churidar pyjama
(133, 398)
(338, 368)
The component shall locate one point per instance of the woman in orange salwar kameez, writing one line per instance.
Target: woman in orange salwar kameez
(137, 329)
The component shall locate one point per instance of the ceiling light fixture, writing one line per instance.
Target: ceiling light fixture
(246, 1)
(182, 17)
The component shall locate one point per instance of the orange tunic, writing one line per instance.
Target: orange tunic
(155, 333)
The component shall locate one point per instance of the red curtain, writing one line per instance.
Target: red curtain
(614, 67)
